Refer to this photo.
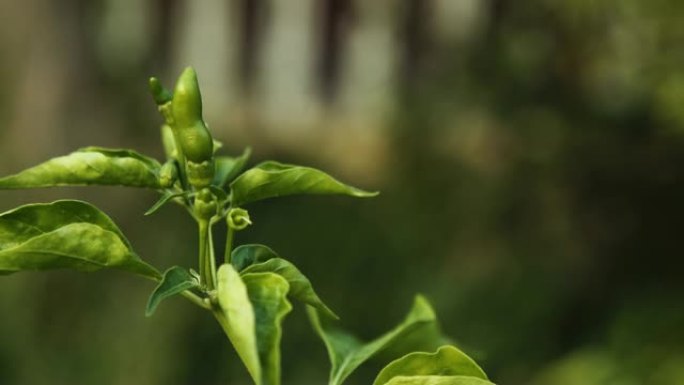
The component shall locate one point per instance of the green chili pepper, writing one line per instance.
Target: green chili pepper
(190, 131)
(168, 174)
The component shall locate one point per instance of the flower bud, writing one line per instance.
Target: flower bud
(238, 219)
(160, 94)
(200, 175)
(205, 204)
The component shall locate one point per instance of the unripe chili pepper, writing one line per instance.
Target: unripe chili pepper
(169, 142)
(190, 131)
(168, 174)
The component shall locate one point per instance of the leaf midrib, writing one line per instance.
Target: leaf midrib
(13, 248)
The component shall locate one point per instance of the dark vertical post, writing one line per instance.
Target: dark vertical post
(334, 20)
(252, 22)
(414, 39)
(163, 38)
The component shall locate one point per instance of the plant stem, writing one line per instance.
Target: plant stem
(206, 267)
(229, 244)
(212, 258)
(194, 298)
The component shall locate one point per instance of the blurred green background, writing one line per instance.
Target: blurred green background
(530, 156)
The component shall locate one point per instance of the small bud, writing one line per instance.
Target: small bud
(200, 175)
(160, 94)
(205, 204)
(238, 219)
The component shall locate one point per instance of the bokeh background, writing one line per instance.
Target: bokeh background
(530, 156)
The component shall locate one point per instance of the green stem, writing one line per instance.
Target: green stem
(205, 264)
(194, 298)
(212, 258)
(180, 157)
(229, 244)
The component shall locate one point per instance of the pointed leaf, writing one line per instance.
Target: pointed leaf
(89, 166)
(272, 179)
(217, 145)
(237, 318)
(175, 281)
(347, 353)
(228, 167)
(65, 234)
(437, 380)
(246, 255)
(446, 361)
(267, 292)
(164, 199)
(300, 286)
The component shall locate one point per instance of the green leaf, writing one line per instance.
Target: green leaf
(300, 286)
(228, 167)
(217, 145)
(89, 166)
(267, 292)
(246, 255)
(272, 179)
(437, 380)
(346, 352)
(236, 316)
(65, 234)
(446, 361)
(164, 199)
(175, 281)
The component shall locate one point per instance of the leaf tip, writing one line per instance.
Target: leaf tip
(333, 316)
(151, 307)
(149, 312)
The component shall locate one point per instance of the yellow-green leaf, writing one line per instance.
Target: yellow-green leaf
(437, 380)
(65, 234)
(89, 166)
(236, 316)
(267, 292)
(300, 286)
(272, 179)
(346, 352)
(446, 361)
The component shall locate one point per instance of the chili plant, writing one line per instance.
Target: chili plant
(249, 291)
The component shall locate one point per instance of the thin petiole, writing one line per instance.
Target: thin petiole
(194, 298)
(212, 257)
(229, 244)
(205, 265)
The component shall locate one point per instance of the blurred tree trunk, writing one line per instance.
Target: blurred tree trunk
(334, 23)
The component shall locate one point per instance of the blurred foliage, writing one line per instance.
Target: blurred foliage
(531, 187)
